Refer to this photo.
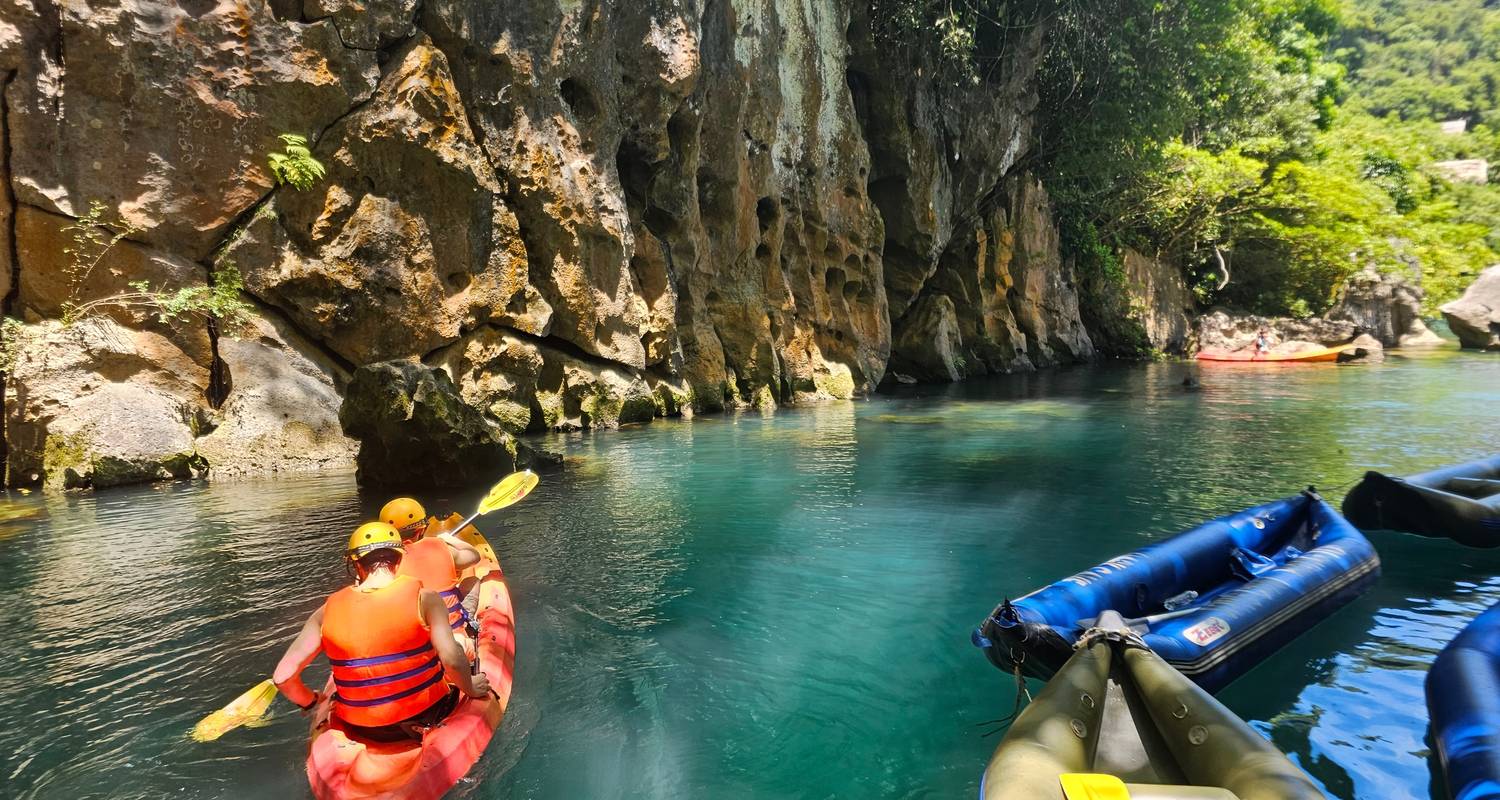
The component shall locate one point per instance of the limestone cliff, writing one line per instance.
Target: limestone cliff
(587, 212)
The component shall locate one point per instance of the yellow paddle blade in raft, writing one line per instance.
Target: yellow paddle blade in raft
(509, 491)
(1086, 786)
(248, 707)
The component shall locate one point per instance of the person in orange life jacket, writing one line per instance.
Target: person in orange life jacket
(397, 669)
(436, 560)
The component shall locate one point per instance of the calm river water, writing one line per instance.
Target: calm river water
(759, 606)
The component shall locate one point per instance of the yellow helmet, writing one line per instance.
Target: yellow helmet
(403, 513)
(373, 536)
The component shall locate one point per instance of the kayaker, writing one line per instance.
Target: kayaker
(387, 639)
(437, 560)
(1262, 342)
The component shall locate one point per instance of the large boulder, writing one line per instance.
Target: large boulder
(280, 414)
(96, 404)
(1386, 306)
(414, 430)
(1475, 317)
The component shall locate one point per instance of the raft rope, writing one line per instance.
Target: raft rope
(1023, 696)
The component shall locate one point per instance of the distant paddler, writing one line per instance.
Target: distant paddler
(437, 558)
(397, 669)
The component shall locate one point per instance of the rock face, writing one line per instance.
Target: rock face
(1220, 330)
(415, 430)
(1374, 306)
(1147, 309)
(585, 213)
(1001, 301)
(1475, 317)
(164, 111)
(99, 404)
(1385, 306)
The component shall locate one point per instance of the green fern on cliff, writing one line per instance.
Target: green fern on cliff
(296, 166)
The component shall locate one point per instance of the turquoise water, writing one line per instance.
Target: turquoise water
(759, 606)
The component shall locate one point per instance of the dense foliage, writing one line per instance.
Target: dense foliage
(1277, 143)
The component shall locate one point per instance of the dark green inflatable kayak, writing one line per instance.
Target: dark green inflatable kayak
(1116, 715)
(1460, 502)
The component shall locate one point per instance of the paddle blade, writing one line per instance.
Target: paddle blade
(247, 707)
(1088, 786)
(509, 491)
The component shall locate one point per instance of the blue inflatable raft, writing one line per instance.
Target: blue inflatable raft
(1463, 702)
(1212, 602)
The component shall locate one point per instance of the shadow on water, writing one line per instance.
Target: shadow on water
(758, 605)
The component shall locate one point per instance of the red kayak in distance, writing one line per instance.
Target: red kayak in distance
(1322, 354)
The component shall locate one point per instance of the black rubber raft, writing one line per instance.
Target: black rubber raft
(1461, 503)
(1213, 601)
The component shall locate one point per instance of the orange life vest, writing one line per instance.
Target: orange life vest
(384, 667)
(431, 562)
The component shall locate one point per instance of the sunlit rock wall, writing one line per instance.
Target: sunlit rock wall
(588, 212)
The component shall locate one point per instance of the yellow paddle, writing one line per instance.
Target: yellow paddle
(245, 708)
(253, 704)
(1089, 786)
(506, 493)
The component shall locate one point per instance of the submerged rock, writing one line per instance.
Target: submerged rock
(1475, 317)
(414, 430)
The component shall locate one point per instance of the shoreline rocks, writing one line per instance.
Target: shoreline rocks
(1475, 317)
(414, 430)
(1385, 306)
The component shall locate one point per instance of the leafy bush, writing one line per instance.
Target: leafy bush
(1293, 137)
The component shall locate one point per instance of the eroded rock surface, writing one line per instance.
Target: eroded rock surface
(1149, 308)
(1002, 300)
(584, 213)
(1385, 306)
(1220, 330)
(415, 430)
(1475, 317)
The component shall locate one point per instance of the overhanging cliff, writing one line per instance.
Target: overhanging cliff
(588, 212)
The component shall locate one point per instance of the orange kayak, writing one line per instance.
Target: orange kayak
(1320, 354)
(341, 767)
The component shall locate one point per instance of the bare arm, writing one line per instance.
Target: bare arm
(464, 554)
(288, 674)
(435, 614)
